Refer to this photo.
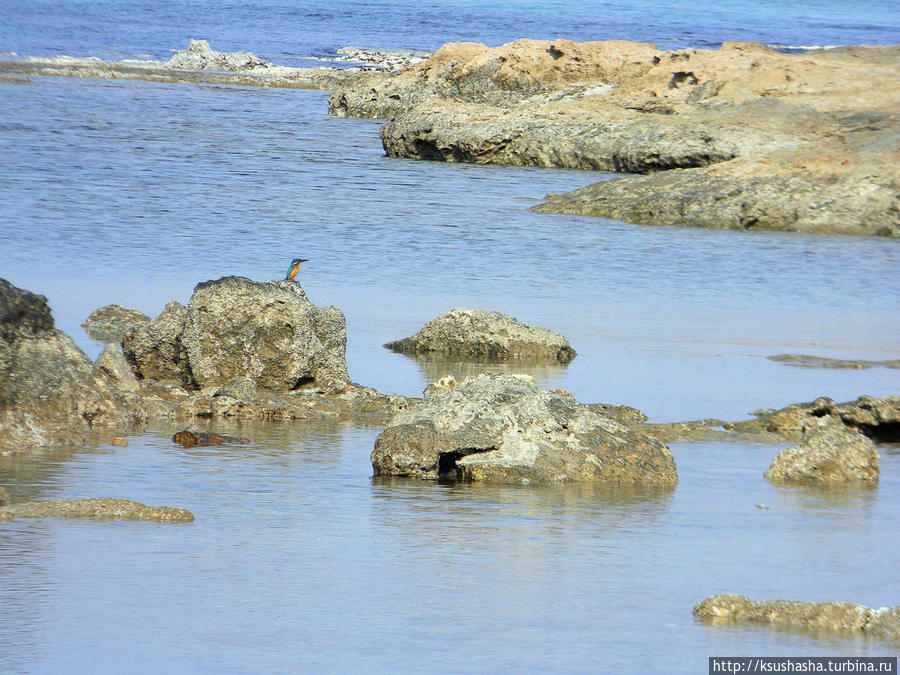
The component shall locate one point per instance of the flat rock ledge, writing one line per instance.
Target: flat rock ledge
(505, 428)
(742, 137)
(833, 454)
(807, 361)
(483, 334)
(842, 619)
(96, 509)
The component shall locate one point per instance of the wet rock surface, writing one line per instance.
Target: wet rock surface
(831, 455)
(95, 509)
(505, 428)
(196, 436)
(110, 323)
(742, 137)
(842, 619)
(50, 392)
(478, 333)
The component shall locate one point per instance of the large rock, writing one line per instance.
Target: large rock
(110, 323)
(741, 137)
(200, 56)
(819, 618)
(878, 418)
(269, 332)
(505, 428)
(831, 454)
(478, 333)
(50, 392)
(155, 349)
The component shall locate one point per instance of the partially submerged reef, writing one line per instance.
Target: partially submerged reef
(822, 619)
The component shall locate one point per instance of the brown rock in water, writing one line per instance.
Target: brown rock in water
(195, 436)
(831, 454)
(818, 618)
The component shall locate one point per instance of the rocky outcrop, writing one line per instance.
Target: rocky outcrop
(50, 392)
(742, 137)
(155, 350)
(877, 418)
(478, 333)
(109, 323)
(95, 509)
(505, 428)
(269, 332)
(829, 455)
(842, 619)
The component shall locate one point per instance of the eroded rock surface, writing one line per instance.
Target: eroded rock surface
(832, 454)
(818, 618)
(50, 392)
(505, 428)
(479, 333)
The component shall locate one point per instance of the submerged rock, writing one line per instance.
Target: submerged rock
(95, 509)
(818, 618)
(50, 392)
(196, 436)
(109, 323)
(479, 333)
(830, 454)
(505, 428)
(806, 361)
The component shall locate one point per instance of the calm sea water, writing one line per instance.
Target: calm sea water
(133, 192)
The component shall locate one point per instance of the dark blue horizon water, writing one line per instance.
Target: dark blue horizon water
(286, 30)
(299, 560)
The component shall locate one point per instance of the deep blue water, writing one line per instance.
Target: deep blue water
(299, 560)
(285, 30)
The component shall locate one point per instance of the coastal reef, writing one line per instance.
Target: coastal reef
(821, 619)
(477, 333)
(741, 137)
(507, 429)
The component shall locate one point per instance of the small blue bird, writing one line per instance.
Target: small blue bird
(294, 268)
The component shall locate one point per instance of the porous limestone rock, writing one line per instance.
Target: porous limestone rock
(842, 619)
(478, 333)
(830, 454)
(505, 428)
(50, 391)
(267, 331)
(200, 56)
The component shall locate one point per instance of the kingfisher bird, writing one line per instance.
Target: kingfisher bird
(294, 268)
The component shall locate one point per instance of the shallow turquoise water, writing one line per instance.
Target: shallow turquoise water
(134, 192)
